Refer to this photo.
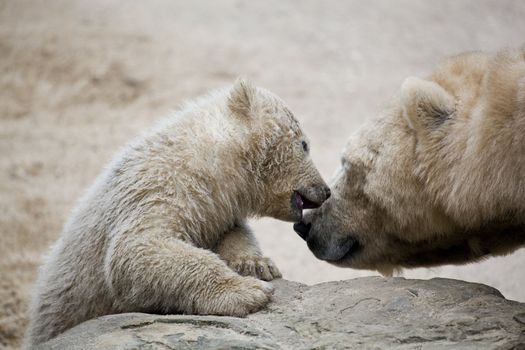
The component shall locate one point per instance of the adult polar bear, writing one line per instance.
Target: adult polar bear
(160, 226)
(439, 178)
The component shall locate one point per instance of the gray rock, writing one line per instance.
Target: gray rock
(371, 313)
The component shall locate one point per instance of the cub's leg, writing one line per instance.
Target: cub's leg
(240, 250)
(152, 271)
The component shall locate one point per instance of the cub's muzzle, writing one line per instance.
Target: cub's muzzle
(308, 198)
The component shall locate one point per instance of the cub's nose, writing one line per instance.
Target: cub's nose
(328, 192)
(302, 229)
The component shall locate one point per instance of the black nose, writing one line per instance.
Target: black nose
(302, 229)
(328, 192)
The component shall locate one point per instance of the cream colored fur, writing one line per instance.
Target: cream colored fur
(163, 229)
(439, 178)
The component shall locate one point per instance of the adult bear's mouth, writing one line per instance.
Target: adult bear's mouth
(348, 249)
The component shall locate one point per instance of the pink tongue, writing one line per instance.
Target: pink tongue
(299, 201)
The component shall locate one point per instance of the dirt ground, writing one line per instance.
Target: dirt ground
(81, 78)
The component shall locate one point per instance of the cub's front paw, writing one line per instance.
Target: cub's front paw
(256, 266)
(240, 296)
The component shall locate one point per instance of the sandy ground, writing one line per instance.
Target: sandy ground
(81, 78)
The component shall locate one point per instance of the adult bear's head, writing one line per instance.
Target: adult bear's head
(439, 178)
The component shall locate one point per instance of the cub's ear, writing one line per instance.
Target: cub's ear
(426, 105)
(242, 99)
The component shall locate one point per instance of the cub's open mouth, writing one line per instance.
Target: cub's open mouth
(302, 202)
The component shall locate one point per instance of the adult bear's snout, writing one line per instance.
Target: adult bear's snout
(302, 229)
(325, 240)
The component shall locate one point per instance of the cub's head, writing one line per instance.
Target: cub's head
(277, 153)
(420, 187)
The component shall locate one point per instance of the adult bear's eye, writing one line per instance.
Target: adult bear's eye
(305, 146)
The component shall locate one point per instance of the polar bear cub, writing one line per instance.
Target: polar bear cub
(163, 229)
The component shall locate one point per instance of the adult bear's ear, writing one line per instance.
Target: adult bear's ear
(242, 99)
(426, 105)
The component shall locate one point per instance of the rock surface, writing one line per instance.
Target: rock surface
(370, 312)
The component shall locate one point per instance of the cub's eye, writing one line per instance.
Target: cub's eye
(305, 146)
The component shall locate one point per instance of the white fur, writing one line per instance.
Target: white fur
(161, 224)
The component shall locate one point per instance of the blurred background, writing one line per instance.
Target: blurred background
(81, 78)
